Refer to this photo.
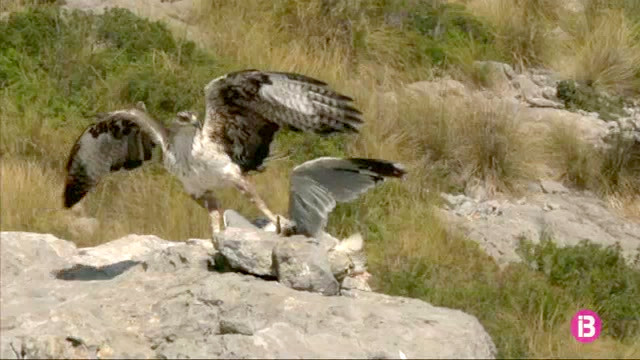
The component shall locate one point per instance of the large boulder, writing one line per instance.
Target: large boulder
(142, 296)
(550, 209)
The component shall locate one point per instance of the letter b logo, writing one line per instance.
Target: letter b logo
(586, 326)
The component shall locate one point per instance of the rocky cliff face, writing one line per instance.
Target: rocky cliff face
(141, 296)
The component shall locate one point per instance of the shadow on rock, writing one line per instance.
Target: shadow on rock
(82, 272)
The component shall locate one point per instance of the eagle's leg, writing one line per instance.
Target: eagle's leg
(209, 202)
(249, 190)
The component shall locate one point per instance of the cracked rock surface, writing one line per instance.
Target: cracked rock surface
(550, 209)
(142, 296)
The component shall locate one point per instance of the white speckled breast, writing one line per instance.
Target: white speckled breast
(205, 166)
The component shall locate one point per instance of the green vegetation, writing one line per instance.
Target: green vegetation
(80, 58)
(593, 275)
(59, 69)
(589, 99)
(521, 300)
(612, 169)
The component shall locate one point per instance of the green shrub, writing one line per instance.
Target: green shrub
(620, 167)
(519, 300)
(585, 97)
(448, 30)
(164, 91)
(137, 36)
(67, 66)
(79, 51)
(594, 275)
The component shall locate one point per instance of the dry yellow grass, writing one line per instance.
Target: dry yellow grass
(605, 51)
(442, 142)
(522, 27)
(600, 45)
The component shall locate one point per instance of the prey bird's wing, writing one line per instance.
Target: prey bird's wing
(317, 185)
(119, 139)
(245, 109)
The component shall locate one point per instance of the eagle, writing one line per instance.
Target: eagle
(244, 110)
(316, 186)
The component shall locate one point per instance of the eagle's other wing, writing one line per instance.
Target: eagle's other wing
(119, 139)
(244, 109)
(317, 185)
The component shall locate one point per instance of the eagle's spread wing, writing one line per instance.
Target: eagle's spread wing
(246, 108)
(318, 184)
(119, 139)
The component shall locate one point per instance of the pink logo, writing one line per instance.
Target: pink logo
(586, 326)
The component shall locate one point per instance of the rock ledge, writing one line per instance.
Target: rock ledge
(141, 296)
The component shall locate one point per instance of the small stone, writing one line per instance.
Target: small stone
(357, 282)
(233, 219)
(548, 206)
(302, 264)
(549, 92)
(491, 207)
(340, 263)
(453, 200)
(248, 250)
(237, 320)
(534, 187)
(553, 187)
(104, 351)
(466, 209)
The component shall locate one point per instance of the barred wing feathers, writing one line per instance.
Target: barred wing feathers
(119, 139)
(317, 185)
(245, 109)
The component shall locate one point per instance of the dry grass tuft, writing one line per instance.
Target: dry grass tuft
(28, 201)
(522, 27)
(125, 203)
(576, 159)
(605, 52)
(463, 138)
(612, 171)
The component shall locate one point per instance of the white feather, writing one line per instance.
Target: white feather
(290, 99)
(350, 245)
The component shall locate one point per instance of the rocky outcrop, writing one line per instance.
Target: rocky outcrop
(533, 98)
(141, 296)
(496, 221)
(317, 265)
(550, 209)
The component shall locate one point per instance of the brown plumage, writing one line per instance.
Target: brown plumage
(244, 110)
(115, 141)
(248, 107)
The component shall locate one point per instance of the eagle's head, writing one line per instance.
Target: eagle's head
(187, 118)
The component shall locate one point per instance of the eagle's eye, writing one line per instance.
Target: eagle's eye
(184, 117)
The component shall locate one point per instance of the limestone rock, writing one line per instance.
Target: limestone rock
(568, 217)
(498, 74)
(248, 250)
(170, 304)
(305, 264)
(553, 187)
(234, 220)
(442, 87)
(302, 264)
